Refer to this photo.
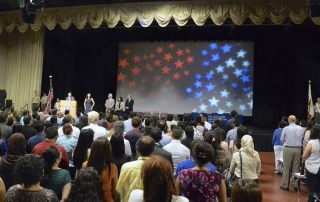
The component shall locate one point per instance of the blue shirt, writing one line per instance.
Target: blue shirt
(292, 136)
(189, 163)
(127, 125)
(4, 147)
(33, 141)
(276, 141)
(68, 142)
(59, 121)
(165, 139)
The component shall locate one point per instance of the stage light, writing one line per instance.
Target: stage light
(28, 9)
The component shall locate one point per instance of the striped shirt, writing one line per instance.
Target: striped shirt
(58, 179)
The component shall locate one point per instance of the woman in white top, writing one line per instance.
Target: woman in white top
(311, 157)
(158, 183)
(235, 145)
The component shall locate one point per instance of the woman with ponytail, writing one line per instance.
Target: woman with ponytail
(56, 179)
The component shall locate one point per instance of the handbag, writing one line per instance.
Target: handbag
(230, 179)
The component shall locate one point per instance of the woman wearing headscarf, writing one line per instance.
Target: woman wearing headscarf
(251, 164)
(16, 149)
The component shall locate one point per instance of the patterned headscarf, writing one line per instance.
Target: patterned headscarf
(247, 145)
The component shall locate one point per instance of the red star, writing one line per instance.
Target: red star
(151, 56)
(178, 64)
(151, 95)
(122, 90)
(143, 81)
(135, 71)
(176, 76)
(180, 52)
(121, 77)
(143, 88)
(149, 68)
(132, 84)
(145, 57)
(187, 51)
(190, 59)
(157, 78)
(186, 73)
(167, 82)
(171, 46)
(159, 50)
(165, 70)
(123, 63)
(126, 51)
(136, 59)
(157, 63)
(167, 57)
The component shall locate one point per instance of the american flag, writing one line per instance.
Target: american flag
(50, 94)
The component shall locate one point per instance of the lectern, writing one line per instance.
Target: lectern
(69, 105)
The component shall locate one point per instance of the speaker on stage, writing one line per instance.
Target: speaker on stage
(315, 8)
(8, 103)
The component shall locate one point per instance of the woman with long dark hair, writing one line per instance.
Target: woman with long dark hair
(246, 191)
(158, 183)
(56, 179)
(235, 145)
(82, 151)
(100, 159)
(83, 122)
(88, 104)
(118, 151)
(86, 187)
(119, 107)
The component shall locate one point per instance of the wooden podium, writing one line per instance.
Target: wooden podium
(69, 105)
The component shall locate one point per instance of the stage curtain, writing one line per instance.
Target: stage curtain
(24, 66)
(163, 12)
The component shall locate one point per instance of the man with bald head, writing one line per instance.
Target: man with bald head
(291, 138)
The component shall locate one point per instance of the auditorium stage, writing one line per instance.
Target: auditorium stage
(262, 138)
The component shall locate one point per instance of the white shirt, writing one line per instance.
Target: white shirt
(137, 196)
(128, 125)
(75, 131)
(98, 130)
(179, 152)
(313, 162)
(207, 125)
(127, 146)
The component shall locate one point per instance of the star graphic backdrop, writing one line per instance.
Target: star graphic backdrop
(180, 77)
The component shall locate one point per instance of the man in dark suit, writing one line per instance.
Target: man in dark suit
(70, 97)
(129, 104)
(27, 129)
(156, 134)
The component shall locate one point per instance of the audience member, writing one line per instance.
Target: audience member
(11, 121)
(82, 151)
(16, 149)
(156, 134)
(219, 136)
(3, 145)
(197, 134)
(86, 187)
(54, 114)
(189, 137)
(209, 184)
(134, 135)
(29, 171)
(245, 190)
(6, 130)
(235, 144)
(187, 119)
(39, 137)
(16, 128)
(284, 119)
(232, 134)
(176, 119)
(118, 129)
(83, 122)
(69, 120)
(54, 121)
(131, 171)
(183, 127)
(169, 121)
(303, 124)
(179, 151)
(100, 159)
(119, 157)
(230, 122)
(204, 119)
(161, 124)
(147, 131)
(99, 131)
(277, 146)
(27, 129)
(2, 190)
(158, 183)
(128, 123)
(56, 179)
(200, 127)
(306, 138)
(24, 113)
(44, 115)
(251, 164)
(51, 139)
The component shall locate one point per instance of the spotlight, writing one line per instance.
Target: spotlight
(28, 9)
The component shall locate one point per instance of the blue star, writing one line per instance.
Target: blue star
(198, 95)
(226, 48)
(245, 70)
(245, 79)
(230, 62)
(241, 54)
(204, 52)
(245, 63)
(220, 111)
(206, 63)
(213, 101)
(229, 104)
(220, 69)
(198, 76)
(210, 87)
(198, 84)
(242, 107)
(250, 104)
(223, 82)
(249, 95)
(213, 46)
(209, 75)
(246, 89)
(215, 57)
(203, 107)
(224, 93)
(188, 90)
(225, 77)
(234, 85)
(238, 72)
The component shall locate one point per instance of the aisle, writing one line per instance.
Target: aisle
(270, 183)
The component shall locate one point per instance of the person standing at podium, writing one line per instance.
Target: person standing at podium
(88, 104)
(70, 97)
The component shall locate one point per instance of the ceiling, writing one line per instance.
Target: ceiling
(11, 5)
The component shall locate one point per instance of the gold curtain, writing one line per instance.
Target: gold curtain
(163, 12)
(24, 66)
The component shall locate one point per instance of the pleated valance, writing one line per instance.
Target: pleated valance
(163, 13)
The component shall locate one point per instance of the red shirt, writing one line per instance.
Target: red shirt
(39, 149)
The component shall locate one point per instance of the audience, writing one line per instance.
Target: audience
(200, 127)
(307, 133)
(44, 115)
(128, 123)
(134, 135)
(147, 131)
(83, 122)
(99, 131)
(278, 147)
(56, 179)
(27, 129)
(197, 134)
(119, 157)
(131, 171)
(16, 128)
(189, 137)
(232, 134)
(230, 123)
(69, 120)
(118, 129)
(209, 184)
(6, 130)
(204, 119)
(161, 124)
(3, 145)
(2, 190)
(86, 187)
(235, 144)
(39, 137)
(100, 158)
(245, 190)
(158, 183)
